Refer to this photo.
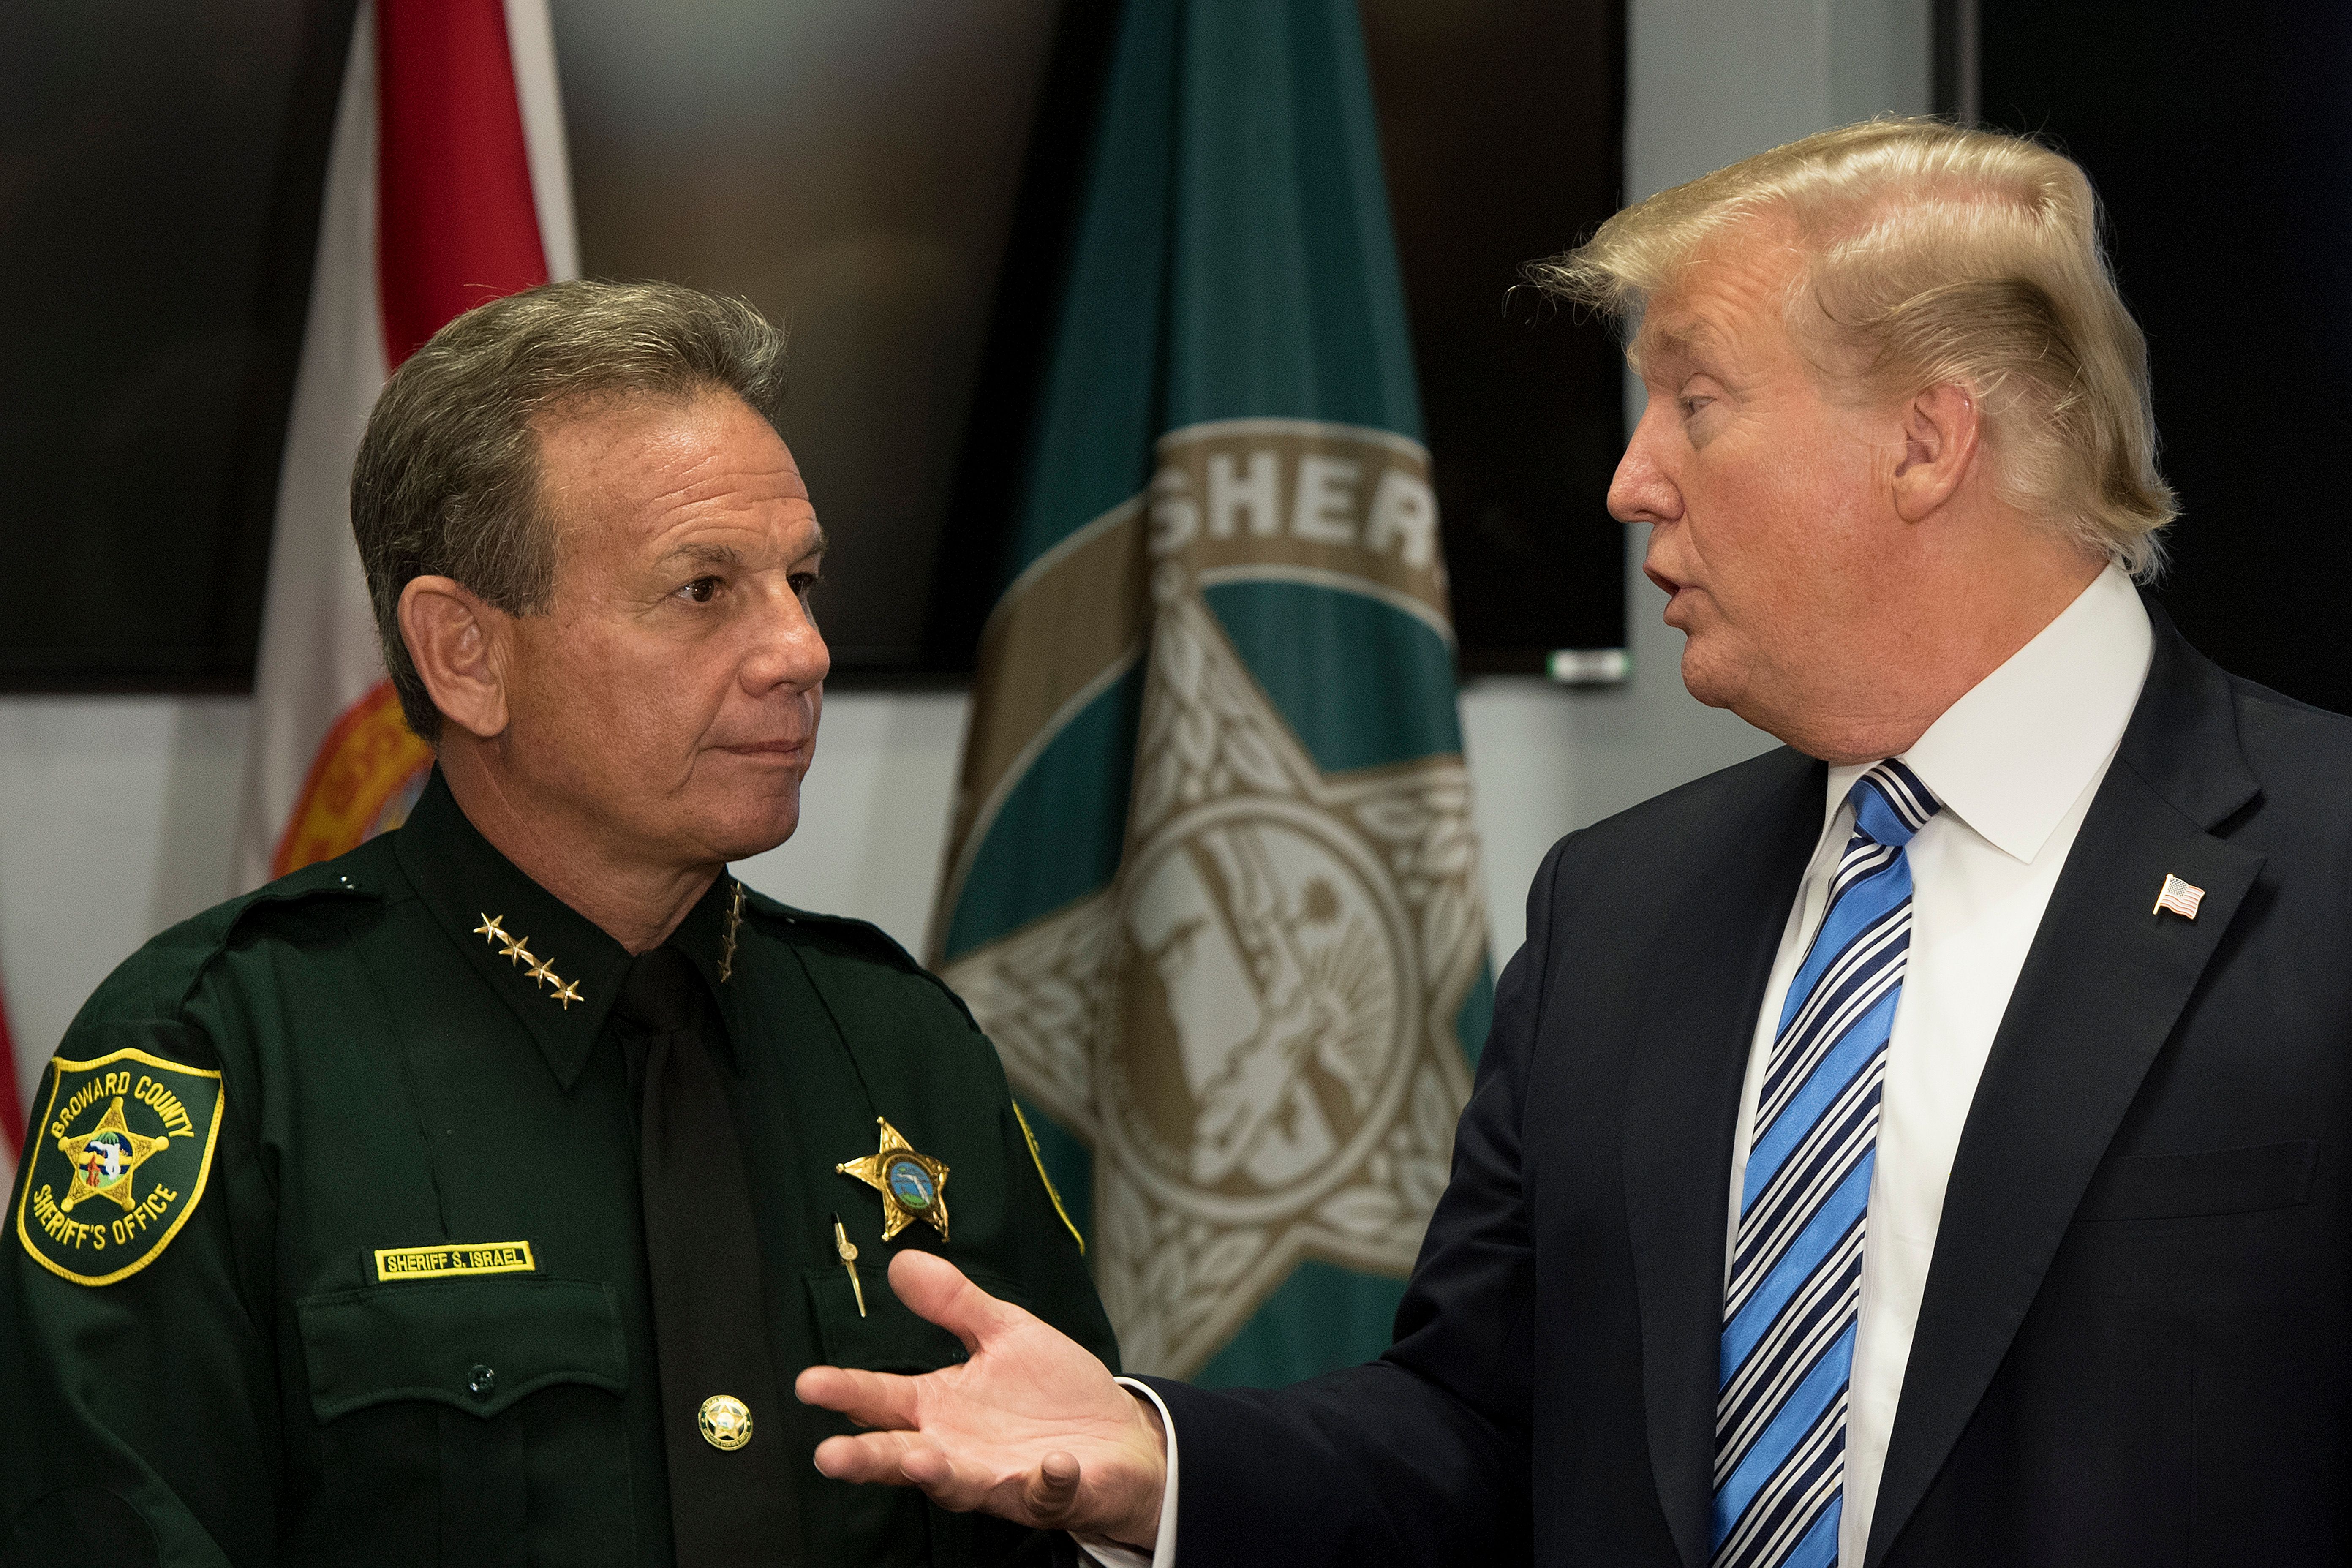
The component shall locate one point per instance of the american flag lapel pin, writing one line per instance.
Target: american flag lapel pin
(2181, 897)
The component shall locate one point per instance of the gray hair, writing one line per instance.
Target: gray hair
(448, 480)
(1936, 253)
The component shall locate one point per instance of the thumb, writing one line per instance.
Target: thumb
(933, 1288)
(1051, 1493)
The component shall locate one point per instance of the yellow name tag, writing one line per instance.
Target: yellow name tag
(456, 1257)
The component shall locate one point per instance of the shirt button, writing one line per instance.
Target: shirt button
(481, 1381)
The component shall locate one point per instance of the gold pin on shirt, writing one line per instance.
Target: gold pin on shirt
(848, 1250)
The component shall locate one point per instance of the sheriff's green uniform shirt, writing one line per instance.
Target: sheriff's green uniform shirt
(326, 1245)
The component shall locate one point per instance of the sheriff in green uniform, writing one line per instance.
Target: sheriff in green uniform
(474, 1198)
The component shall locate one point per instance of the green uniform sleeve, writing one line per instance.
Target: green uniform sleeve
(138, 1378)
(1052, 1258)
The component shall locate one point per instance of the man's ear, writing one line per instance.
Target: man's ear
(458, 645)
(1941, 437)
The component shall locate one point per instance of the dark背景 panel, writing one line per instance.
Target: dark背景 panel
(2221, 141)
(157, 216)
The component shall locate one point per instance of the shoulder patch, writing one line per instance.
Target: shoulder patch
(116, 1162)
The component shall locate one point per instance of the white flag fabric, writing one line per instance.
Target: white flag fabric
(442, 100)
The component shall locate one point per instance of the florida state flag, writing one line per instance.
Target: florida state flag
(447, 187)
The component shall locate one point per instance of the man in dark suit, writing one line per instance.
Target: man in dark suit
(1923, 1144)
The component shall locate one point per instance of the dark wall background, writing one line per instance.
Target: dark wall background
(1502, 126)
(159, 177)
(851, 168)
(2221, 139)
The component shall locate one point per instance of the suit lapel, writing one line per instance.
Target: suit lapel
(1682, 1104)
(2100, 991)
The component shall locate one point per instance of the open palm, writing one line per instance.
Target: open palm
(1033, 1428)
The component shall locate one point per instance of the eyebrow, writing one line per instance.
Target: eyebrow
(726, 555)
(704, 556)
(1689, 337)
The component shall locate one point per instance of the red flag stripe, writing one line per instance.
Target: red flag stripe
(455, 222)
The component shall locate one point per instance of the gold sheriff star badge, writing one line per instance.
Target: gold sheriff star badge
(104, 1159)
(912, 1184)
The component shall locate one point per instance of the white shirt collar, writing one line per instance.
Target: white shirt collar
(2018, 750)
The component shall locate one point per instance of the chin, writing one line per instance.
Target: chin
(741, 828)
(1706, 679)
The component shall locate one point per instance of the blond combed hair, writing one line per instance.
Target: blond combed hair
(1933, 254)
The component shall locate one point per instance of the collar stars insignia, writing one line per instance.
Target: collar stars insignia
(911, 1185)
(734, 930)
(105, 1158)
(542, 973)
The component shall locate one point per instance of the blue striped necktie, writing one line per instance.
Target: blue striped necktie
(1795, 1292)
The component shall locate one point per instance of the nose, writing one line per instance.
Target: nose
(1643, 490)
(788, 650)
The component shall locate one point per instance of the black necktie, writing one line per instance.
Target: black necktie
(731, 1500)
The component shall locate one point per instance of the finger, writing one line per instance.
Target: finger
(899, 1460)
(1051, 1493)
(868, 1398)
(934, 1289)
(875, 1457)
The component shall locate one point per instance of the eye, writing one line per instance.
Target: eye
(701, 591)
(803, 581)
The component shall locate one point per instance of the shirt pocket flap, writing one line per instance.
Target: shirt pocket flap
(2209, 1181)
(888, 1337)
(436, 1340)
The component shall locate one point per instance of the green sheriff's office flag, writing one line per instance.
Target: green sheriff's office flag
(1211, 885)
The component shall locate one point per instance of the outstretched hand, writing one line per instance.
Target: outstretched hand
(1033, 1428)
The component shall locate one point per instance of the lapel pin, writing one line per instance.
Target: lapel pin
(2181, 897)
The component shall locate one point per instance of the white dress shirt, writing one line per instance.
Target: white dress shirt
(2015, 762)
(1163, 1555)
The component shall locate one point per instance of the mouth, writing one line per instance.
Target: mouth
(785, 751)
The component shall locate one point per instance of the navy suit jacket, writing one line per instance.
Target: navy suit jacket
(2133, 1347)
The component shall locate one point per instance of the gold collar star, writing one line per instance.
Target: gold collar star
(912, 1185)
(734, 930)
(542, 972)
(104, 1159)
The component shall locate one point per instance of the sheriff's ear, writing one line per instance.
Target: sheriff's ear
(1941, 437)
(458, 645)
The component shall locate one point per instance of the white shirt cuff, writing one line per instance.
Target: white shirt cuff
(1110, 1554)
